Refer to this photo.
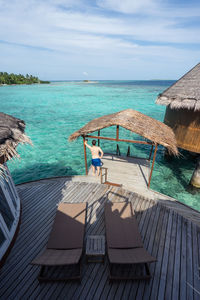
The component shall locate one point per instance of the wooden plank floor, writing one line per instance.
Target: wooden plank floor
(133, 174)
(129, 171)
(171, 238)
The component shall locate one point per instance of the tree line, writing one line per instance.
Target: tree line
(12, 78)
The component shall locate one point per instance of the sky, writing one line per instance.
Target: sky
(99, 39)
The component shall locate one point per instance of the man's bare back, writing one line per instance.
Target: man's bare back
(95, 151)
(97, 154)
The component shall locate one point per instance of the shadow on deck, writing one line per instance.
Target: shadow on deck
(171, 238)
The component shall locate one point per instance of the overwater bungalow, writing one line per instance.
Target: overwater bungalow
(170, 231)
(182, 101)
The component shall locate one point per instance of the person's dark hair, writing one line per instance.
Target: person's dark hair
(93, 142)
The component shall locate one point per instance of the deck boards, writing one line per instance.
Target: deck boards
(133, 174)
(196, 266)
(129, 171)
(167, 235)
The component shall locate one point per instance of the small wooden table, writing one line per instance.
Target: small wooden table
(95, 248)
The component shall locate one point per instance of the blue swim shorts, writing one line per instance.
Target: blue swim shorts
(96, 162)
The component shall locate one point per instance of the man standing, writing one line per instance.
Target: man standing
(97, 154)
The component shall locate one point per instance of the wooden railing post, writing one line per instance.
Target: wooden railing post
(106, 175)
(85, 156)
(154, 157)
(101, 175)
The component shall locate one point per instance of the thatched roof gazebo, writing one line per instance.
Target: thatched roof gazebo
(183, 110)
(153, 130)
(12, 132)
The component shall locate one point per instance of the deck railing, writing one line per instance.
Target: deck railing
(104, 174)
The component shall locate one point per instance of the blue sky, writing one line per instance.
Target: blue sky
(99, 39)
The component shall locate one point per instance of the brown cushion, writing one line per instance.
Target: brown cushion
(121, 226)
(68, 227)
(129, 256)
(52, 257)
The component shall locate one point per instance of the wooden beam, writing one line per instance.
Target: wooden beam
(85, 156)
(113, 184)
(119, 140)
(154, 157)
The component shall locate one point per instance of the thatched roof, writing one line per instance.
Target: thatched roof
(134, 121)
(11, 134)
(185, 93)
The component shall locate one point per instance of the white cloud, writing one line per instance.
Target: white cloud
(45, 25)
(127, 6)
(83, 39)
(152, 7)
(142, 62)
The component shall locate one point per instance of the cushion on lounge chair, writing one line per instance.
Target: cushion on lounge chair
(129, 256)
(52, 257)
(66, 238)
(124, 243)
(121, 226)
(68, 227)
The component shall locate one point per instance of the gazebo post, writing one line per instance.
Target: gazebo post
(85, 156)
(117, 132)
(117, 137)
(154, 157)
(150, 152)
(98, 139)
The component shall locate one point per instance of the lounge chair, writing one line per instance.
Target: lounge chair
(65, 244)
(124, 243)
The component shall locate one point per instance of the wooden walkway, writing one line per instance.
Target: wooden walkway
(171, 238)
(133, 174)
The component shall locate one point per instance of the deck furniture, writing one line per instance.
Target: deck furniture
(65, 244)
(124, 243)
(95, 248)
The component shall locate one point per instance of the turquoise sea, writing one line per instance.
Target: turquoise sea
(52, 112)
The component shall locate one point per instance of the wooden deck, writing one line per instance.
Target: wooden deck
(133, 174)
(171, 238)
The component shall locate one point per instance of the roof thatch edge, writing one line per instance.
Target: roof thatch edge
(177, 103)
(8, 149)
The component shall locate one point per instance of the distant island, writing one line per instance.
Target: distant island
(89, 81)
(9, 79)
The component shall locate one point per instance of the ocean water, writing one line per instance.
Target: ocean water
(53, 112)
